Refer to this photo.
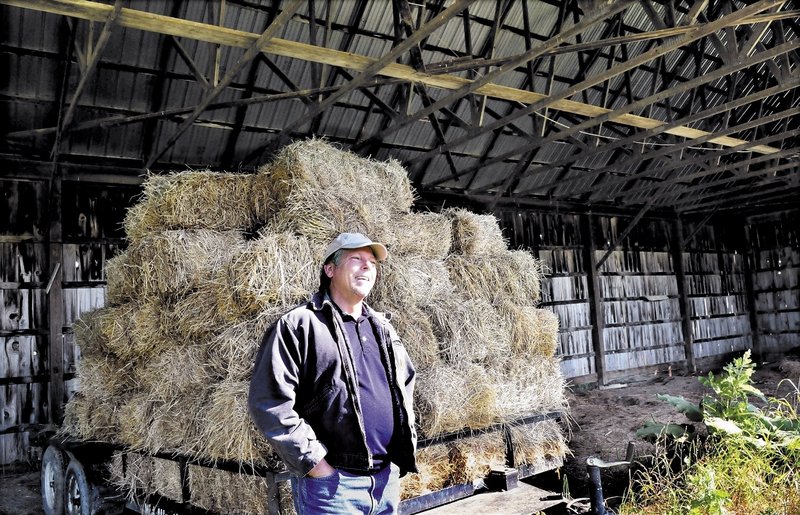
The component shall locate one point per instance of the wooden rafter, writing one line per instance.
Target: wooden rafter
(661, 128)
(372, 69)
(476, 86)
(251, 53)
(658, 173)
(163, 24)
(93, 53)
(597, 191)
(698, 33)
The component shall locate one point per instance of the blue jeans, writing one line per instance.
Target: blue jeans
(343, 492)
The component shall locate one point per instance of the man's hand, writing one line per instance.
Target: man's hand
(322, 469)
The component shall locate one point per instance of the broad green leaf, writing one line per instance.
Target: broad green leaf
(691, 410)
(726, 426)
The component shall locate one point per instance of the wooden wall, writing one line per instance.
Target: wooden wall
(775, 247)
(668, 295)
(77, 225)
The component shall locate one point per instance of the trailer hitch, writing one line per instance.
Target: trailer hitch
(593, 466)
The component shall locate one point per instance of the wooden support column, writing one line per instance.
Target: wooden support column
(55, 301)
(595, 296)
(750, 260)
(676, 248)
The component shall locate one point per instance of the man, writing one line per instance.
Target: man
(332, 391)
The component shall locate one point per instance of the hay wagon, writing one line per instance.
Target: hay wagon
(76, 477)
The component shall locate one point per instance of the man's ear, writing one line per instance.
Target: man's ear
(328, 267)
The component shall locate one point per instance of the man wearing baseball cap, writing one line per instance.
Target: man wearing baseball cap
(332, 390)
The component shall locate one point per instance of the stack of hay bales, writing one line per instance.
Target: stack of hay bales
(214, 259)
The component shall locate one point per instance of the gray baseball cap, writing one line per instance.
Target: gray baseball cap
(355, 240)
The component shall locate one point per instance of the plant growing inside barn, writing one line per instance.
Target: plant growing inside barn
(744, 458)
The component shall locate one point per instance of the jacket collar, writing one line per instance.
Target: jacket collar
(321, 299)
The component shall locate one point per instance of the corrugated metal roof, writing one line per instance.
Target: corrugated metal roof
(141, 71)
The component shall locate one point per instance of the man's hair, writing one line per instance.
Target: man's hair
(324, 280)
(335, 258)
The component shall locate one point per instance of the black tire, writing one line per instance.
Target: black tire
(52, 480)
(80, 496)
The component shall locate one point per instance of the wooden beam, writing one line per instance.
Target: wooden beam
(657, 173)
(478, 85)
(252, 51)
(750, 267)
(141, 20)
(621, 113)
(55, 301)
(662, 127)
(625, 233)
(595, 296)
(372, 69)
(721, 181)
(666, 151)
(715, 169)
(93, 59)
(198, 74)
(677, 244)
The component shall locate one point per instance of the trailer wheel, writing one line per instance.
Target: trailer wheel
(80, 498)
(52, 480)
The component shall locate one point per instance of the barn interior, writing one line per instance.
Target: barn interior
(644, 152)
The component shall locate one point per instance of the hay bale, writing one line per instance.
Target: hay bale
(324, 191)
(534, 332)
(538, 386)
(540, 445)
(415, 281)
(89, 335)
(463, 461)
(232, 353)
(546, 335)
(135, 414)
(441, 410)
(415, 329)
(104, 377)
(175, 425)
(176, 371)
(176, 261)
(513, 275)
(474, 457)
(200, 200)
(277, 269)
(195, 315)
(428, 235)
(140, 475)
(474, 234)
(91, 418)
(115, 325)
(123, 279)
(228, 432)
(221, 491)
(468, 332)
(435, 472)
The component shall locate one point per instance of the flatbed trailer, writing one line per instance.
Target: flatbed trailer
(75, 477)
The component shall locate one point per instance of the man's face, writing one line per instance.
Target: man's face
(354, 276)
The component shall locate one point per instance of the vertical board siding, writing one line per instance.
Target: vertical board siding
(555, 239)
(23, 209)
(776, 280)
(639, 292)
(714, 266)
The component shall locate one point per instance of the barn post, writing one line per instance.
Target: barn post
(677, 244)
(55, 300)
(595, 296)
(750, 260)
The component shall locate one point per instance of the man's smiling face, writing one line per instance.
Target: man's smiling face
(354, 276)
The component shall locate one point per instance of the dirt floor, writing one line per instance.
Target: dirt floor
(603, 421)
